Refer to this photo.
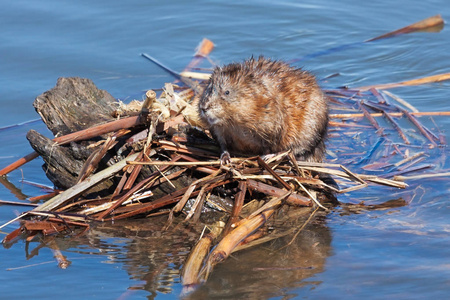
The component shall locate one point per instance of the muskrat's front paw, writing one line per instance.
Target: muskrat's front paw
(225, 158)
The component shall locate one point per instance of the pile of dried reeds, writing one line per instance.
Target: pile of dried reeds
(172, 147)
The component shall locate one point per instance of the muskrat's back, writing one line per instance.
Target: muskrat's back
(264, 106)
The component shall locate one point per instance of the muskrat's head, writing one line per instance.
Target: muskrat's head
(227, 99)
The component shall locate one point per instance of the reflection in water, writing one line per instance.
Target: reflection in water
(155, 257)
(271, 269)
(148, 253)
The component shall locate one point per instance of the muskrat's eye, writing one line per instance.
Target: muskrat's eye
(227, 93)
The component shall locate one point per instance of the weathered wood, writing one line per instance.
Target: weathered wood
(74, 104)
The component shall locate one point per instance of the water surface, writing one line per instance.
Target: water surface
(398, 253)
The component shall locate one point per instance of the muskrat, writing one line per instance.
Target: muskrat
(263, 106)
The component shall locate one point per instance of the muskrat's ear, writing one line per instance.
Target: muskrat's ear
(215, 72)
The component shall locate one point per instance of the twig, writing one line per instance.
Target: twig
(301, 228)
(237, 206)
(63, 263)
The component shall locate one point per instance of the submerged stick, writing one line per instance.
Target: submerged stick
(189, 82)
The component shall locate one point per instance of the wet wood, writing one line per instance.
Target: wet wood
(17, 164)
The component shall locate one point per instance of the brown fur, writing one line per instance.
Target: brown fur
(264, 106)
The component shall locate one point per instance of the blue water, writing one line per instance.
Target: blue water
(400, 253)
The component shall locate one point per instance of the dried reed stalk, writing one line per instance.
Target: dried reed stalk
(418, 81)
(424, 25)
(191, 270)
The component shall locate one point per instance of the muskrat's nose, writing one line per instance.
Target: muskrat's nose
(203, 107)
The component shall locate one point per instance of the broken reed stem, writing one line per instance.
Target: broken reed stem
(423, 25)
(263, 164)
(237, 206)
(198, 203)
(83, 186)
(434, 23)
(205, 180)
(183, 163)
(423, 176)
(401, 101)
(372, 178)
(417, 81)
(46, 196)
(190, 274)
(94, 159)
(369, 116)
(293, 199)
(245, 228)
(379, 129)
(397, 127)
(419, 126)
(18, 163)
(393, 114)
(203, 50)
(409, 158)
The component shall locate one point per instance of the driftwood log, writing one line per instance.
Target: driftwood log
(72, 105)
(76, 104)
